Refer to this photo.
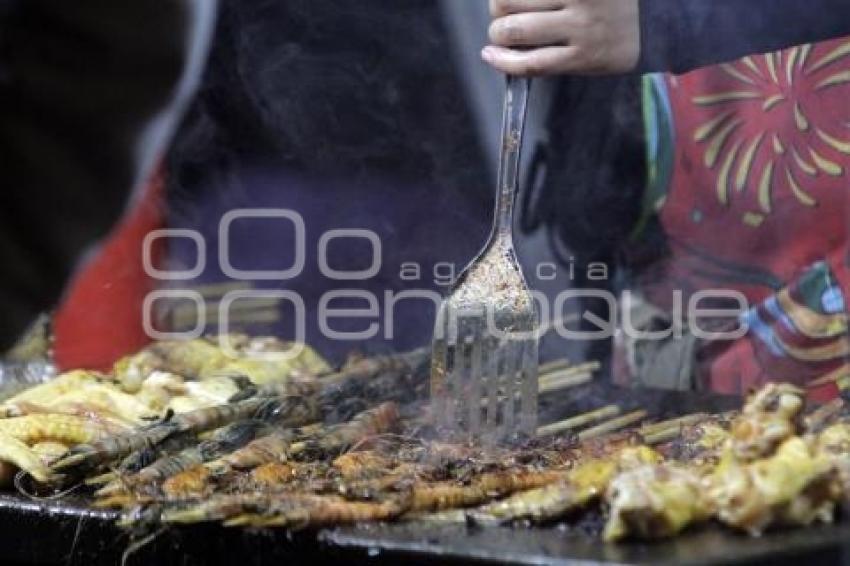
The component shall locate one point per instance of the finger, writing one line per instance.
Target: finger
(499, 8)
(535, 29)
(542, 61)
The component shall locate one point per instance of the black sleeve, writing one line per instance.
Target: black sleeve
(88, 95)
(681, 35)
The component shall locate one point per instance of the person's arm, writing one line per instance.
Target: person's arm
(681, 35)
(546, 37)
(90, 92)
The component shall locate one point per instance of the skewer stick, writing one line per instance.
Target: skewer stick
(580, 369)
(553, 366)
(676, 423)
(656, 433)
(664, 435)
(579, 421)
(612, 425)
(550, 385)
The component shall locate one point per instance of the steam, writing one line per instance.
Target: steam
(351, 114)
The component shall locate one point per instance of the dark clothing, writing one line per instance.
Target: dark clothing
(82, 83)
(680, 35)
(315, 112)
(87, 89)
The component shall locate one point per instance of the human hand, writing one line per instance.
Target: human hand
(548, 37)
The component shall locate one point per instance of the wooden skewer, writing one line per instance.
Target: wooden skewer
(553, 366)
(579, 421)
(678, 422)
(655, 433)
(612, 425)
(580, 369)
(663, 435)
(551, 385)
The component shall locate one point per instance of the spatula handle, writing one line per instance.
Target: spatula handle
(513, 128)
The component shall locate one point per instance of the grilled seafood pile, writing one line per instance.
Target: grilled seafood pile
(167, 381)
(181, 433)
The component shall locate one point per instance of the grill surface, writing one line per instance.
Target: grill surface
(55, 533)
(65, 532)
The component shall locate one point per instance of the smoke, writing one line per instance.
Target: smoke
(351, 114)
(342, 89)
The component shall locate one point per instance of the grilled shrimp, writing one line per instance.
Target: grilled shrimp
(143, 458)
(134, 463)
(291, 510)
(286, 411)
(258, 361)
(107, 398)
(16, 452)
(379, 420)
(361, 465)
(89, 410)
(258, 371)
(56, 387)
(399, 378)
(272, 475)
(204, 357)
(49, 451)
(67, 429)
(450, 495)
(192, 483)
(223, 441)
(211, 418)
(87, 456)
(196, 395)
(304, 386)
(189, 358)
(575, 489)
(84, 457)
(266, 449)
(306, 511)
(216, 508)
(289, 411)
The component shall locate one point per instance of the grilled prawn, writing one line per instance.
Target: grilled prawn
(574, 490)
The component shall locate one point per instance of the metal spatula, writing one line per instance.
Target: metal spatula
(484, 364)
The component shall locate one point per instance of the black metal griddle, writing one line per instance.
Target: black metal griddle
(67, 532)
(54, 533)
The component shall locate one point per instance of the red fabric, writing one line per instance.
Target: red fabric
(100, 318)
(792, 108)
(792, 235)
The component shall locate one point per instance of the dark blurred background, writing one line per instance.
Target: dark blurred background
(359, 116)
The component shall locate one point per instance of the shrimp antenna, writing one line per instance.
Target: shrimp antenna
(21, 487)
